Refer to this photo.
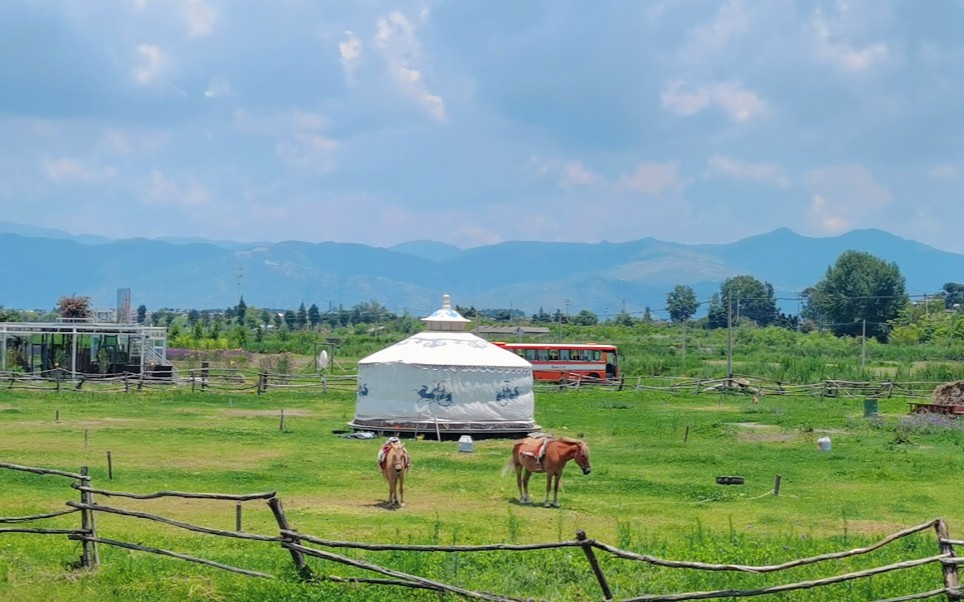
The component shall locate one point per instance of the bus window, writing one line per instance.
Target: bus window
(564, 355)
(553, 355)
(543, 355)
(594, 355)
(530, 354)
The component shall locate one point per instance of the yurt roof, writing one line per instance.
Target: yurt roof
(446, 349)
(445, 343)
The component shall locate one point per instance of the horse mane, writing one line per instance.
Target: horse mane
(569, 440)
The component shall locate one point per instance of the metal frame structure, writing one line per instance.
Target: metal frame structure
(145, 344)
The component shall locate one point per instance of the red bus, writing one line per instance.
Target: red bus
(558, 362)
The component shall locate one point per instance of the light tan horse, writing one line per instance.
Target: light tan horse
(393, 462)
(555, 454)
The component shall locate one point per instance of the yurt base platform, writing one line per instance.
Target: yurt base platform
(445, 430)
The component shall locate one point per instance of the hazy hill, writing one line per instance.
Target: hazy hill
(606, 277)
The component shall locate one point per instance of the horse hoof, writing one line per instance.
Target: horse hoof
(547, 505)
(556, 505)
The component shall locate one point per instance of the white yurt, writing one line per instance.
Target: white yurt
(445, 380)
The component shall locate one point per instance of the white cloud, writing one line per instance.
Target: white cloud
(940, 172)
(652, 179)
(151, 65)
(199, 17)
(738, 103)
(400, 48)
(845, 195)
(730, 21)
(66, 169)
(574, 173)
(217, 88)
(307, 150)
(351, 52)
(830, 45)
(764, 173)
(684, 102)
(162, 190)
(117, 142)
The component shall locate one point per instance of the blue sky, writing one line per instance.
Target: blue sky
(475, 122)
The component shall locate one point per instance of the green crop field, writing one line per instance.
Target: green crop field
(652, 490)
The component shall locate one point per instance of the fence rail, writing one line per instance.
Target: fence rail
(259, 383)
(295, 542)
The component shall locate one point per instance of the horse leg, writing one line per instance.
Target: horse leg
(525, 488)
(555, 493)
(548, 487)
(401, 488)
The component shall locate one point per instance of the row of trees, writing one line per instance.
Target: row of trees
(859, 295)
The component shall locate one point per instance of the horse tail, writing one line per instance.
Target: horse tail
(511, 464)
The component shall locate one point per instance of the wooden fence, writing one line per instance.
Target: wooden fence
(259, 383)
(301, 546)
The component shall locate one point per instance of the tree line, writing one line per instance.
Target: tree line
(860, 295)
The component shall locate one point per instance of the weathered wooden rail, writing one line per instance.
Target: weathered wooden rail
(224, 380)
(301, 546)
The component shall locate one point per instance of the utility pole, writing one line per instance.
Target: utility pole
(239, 274)
(863, 344)
(729, 337)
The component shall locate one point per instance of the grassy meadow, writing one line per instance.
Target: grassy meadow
(652, 490)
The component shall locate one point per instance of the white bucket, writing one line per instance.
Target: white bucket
(823, 444)
(465, 443)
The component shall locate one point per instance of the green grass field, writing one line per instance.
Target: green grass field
(652, 490)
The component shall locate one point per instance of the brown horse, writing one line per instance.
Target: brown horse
(556, 453)
(393, 462)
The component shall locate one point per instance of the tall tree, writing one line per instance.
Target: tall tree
(241, 310)
(314, 316)
(681, 303)
(859, 287)
(141, 313)
(745, 298)
(954, 295)
(301, 318)
(74, 307)
(585, 318)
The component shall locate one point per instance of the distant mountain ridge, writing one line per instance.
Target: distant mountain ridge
(605, 278)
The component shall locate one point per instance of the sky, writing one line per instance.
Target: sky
(474, 122)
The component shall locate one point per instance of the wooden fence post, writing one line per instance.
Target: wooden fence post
(262, 383)
(951, 581)
(776, 485)
(594, 563)
(89, 557)
(299, 559)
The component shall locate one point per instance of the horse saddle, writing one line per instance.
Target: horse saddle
(534, 446)
(383, 452)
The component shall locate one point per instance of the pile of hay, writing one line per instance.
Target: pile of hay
(950, 394)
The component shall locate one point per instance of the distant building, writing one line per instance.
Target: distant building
(124, 306)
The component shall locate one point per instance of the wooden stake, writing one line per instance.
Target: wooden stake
(237, 517)
(686, 435)
(596, 569)
(776, 485)
(85, 439)
(299, 559)
(57, 419)
(281, 425)
(110, 468)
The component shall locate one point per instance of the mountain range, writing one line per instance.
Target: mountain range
(42, 265)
